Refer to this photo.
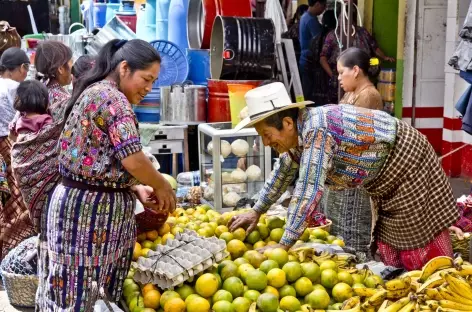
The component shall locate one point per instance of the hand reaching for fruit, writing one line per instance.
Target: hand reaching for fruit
(146, 196)
(271, 247)
(247, 220)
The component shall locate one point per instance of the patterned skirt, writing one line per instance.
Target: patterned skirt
(15, 221)
(90, 239)
(351, 214)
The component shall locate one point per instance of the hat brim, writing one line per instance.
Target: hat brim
(248, 122)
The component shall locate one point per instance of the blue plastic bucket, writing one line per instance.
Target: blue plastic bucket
(99, 15)
(199, 66)
(111, 10)
(162, 19)
(177, 29)
(151, 12)
(147, 115)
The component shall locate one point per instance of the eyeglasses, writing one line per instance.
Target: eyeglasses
(26, 66)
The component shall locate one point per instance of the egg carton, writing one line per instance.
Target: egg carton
(179, 260)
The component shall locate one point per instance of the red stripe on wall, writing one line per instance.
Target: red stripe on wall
(452, 123)
(434, 137)
(423, 112)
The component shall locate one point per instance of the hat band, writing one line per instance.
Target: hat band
(266, 111)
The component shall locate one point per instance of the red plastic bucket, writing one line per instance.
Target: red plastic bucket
(129, 20)
(218, 98)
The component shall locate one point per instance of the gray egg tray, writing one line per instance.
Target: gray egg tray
(179, 260)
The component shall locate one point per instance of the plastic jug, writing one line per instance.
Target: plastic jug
(177, 29)
(236, 100)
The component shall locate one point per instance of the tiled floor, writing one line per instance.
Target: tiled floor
(459, 186)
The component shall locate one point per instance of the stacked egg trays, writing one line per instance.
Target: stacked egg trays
(179, 260)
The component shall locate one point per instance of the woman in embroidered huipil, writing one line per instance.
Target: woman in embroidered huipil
(347, 147)
(91, 222)
(53, 62)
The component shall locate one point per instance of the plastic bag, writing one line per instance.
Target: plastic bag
(152, 158)
(100, 306)
(273, 11)
(188, 178)
(379, 268)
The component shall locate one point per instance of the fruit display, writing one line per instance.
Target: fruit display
(443, 285)
(246, 280)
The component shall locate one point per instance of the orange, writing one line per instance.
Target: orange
(137, 251)
(206, 285)
(166, 237)
(151, 299)
(164, 229)
(147, 288)
(152, 235)
(141, 237)
(198, 304)
(175, 305)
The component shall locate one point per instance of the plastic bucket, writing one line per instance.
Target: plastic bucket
(111, 10)
(218, 98)
(99, 15)
(177, 29)
(199, 66)
(162, 19)
(242, 48)
(128, 19)
(236, 100)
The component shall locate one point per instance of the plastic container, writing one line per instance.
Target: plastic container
(145, 31)
(218, 98)
(387, 75)
(177, 29)
(111, 10)
(129, 19)
(198, 66)
(146, 114)
(236, 100)
(99, 14)
(242, 48)
(162, 19)
(174, 65)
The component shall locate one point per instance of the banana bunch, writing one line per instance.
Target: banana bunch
(307, 253)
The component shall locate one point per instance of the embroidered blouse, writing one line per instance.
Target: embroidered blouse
(340, 146)
(101, 131)
(4, 189)
(58, 99)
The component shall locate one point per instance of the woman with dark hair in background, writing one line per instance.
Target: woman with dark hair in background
(359, 38)
(53, 62)
(91, 218)
(293, 31)
(15, 224)
(350, 209)
(317, 93)
(81, 66)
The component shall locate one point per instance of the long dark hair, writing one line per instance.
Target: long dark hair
(137, 53)
(302, 8)
(357, 57)
(50, 56)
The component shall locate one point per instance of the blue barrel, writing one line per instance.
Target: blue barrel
(143, 30)
(99, 14)
(162, 19)
(111, 10)
(151, 12)
(199, 66)
(127, 6)
(177, 30)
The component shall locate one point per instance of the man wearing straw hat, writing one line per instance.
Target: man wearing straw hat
(342, 146)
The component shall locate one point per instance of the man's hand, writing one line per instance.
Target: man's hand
(457, 231)
(263, 249)
(247, 220)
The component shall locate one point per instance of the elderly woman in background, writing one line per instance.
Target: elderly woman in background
(15, 223)
(344, 147)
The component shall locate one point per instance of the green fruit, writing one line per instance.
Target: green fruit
(240, 261)
(230, 270)
(241, 304)
(329, 278)
(256, 280)
(253, 237)
(222, 295)
(252, 295)
(263, 230)
(290, 304)
(267, 303)
(268, 265)
(318, 299)
(311, 270)
(342, 292)
(276, 235)
(287, 290)
(234, 286)
(345, 277)
(293, 271)
(274, 223)
(303, 286)
(223, 306)
(184, 291)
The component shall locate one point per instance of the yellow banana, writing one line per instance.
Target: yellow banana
(465, 270)
(440, 309)
(417, 307)
(376, 299)
(415, 273)
(432, 304)
(431, 283)
(458, 285)
(434, 265)
(399, 283)
(458, 261)
(410, 307)
(365, 292)
(397, 294)
(351, 303)
(433, 294)
(425, 308)
(396, 306)
(455, 305)
(356, 308)
(451, 296)
(384, 305)
(415, 285)
(366, 308)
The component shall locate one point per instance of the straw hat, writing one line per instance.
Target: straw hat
(266, 101)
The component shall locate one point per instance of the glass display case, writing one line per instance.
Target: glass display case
(233, 165)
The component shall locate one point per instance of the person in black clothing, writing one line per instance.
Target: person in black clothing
(293, 31)
(320, 79)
